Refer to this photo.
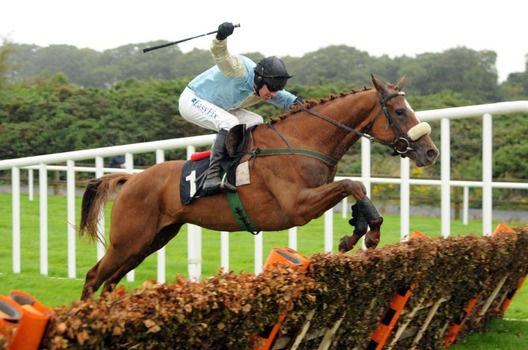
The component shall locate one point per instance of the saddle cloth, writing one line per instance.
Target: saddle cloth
(194, 170)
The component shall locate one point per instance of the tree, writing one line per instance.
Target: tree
(5, 52)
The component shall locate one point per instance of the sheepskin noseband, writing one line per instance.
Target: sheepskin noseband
(419, 130)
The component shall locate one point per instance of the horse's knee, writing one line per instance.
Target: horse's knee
(354, 188)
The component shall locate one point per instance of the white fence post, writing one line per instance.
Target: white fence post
(43, 190)
(70, 223)
(329, 230)
(445, 175)
(129, 167)
(404, 199)
(259, 246)
(30, 184)
(194, 242)
(99, 171)
(487, 173)
(161, 273)
(365, 164)
(292, 238)
(224, 250)
(365, 174)
(344, 208)
(15, 203)
(465, 206)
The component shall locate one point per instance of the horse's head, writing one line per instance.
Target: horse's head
(399, 127)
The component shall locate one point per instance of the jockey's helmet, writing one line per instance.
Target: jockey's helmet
(272, 72)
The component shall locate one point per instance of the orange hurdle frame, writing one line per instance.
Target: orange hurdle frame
(280, 256)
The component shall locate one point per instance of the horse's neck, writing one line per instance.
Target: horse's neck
(356, 111)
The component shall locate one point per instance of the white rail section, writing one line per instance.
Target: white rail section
(66, 162)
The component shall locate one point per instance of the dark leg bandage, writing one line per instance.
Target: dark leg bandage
(367, 209)
(364, 214)
(359, 221)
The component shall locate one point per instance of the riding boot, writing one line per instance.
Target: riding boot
(213, 182)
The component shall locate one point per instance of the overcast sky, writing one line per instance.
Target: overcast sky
(395, 28)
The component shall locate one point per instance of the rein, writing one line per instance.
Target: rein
(401, 144)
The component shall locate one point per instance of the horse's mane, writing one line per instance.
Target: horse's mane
(314, 102)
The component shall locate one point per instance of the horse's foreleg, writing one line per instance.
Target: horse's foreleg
(313, 202)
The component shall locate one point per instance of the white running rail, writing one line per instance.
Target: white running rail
(66, 162)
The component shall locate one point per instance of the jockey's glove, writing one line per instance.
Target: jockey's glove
(224, 30)
(298, 101)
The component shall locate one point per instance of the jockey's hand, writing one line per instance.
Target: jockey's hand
(298, 101)
(224, 30)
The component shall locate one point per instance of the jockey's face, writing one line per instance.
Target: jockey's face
(265, 94)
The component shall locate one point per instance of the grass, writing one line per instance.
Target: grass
(55, 289)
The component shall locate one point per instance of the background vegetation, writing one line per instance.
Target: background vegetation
(61, 98)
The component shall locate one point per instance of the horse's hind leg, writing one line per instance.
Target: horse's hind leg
(104, 268)
(161, 239)
(90, 282)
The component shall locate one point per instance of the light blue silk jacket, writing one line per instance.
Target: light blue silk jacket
(229, 84)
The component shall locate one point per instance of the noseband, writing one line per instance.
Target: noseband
(402, 143)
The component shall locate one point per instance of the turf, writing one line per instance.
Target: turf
(55, 289)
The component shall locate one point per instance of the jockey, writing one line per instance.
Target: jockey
(216, 99)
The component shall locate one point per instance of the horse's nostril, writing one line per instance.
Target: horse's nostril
(432, 154)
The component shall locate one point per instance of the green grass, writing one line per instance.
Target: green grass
(56, 289)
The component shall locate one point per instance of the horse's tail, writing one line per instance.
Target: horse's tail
(95, 196)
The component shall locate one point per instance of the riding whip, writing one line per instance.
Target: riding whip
(147, 49)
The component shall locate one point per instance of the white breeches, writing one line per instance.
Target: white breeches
(207, 115)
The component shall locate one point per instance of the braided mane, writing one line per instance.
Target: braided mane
(313, 102)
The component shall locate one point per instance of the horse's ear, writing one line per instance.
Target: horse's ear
(401, 83)
(379, 85)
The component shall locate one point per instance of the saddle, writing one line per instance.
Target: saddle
(194, 170)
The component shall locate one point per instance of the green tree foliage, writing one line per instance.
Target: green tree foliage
(462, 70)
(468, 72)
(52, 115)
(5, 51)
(61, 98)
(516, 87)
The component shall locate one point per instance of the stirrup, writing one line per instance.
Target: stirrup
(225, 185)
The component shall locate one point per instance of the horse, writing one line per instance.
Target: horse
(286, 189)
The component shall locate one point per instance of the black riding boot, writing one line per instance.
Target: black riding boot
(213, 182)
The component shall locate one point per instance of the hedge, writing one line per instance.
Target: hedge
(346, 294)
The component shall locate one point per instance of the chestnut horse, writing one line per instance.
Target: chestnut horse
(286, 190)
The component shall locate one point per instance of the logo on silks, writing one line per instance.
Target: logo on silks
(197, 103)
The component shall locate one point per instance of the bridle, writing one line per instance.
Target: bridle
(402, 143)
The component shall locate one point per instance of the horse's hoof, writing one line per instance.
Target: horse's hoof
(371, 243)
(345, 244)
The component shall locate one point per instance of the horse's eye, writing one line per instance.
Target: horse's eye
(400, 111)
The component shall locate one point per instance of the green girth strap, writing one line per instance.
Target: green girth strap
(236, 206)
(289, 151)
(240, 213)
